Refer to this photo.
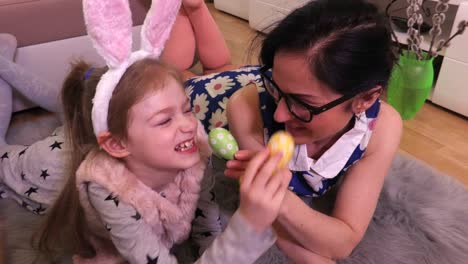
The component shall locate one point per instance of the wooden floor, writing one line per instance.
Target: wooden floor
(435, 136)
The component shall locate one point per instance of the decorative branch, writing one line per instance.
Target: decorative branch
(437, 20)
(461, 29)
(389, 17)
(414, 23)
(414, 35)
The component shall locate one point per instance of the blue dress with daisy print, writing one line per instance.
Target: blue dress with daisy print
(209, 93)
(311, 178)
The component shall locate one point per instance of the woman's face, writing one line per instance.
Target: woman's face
(291, 72)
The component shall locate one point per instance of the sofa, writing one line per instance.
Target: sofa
(259, 13)
(264, 13)
(50, 34)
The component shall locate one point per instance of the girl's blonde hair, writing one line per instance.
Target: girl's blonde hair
(66, 222)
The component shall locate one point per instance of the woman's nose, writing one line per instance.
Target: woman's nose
(282, 113)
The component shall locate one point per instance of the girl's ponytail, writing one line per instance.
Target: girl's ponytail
(66, 223)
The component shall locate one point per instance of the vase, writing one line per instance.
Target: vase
(410, 84)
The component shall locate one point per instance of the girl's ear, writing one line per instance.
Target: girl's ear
(113, 146)
(366, 99)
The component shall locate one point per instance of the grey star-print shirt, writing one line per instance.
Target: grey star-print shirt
(134, 239)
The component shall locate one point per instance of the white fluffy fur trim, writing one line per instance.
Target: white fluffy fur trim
(105, 89)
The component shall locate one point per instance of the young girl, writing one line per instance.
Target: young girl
(33, 175)
(139, 157)
(141, 182)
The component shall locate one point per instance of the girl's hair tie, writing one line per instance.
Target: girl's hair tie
(88, 73)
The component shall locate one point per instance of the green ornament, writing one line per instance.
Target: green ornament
(223, 143)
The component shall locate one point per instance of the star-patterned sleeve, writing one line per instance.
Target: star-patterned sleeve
(134, 239)
(207, 223)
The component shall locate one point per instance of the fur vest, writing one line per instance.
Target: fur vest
(170, 217)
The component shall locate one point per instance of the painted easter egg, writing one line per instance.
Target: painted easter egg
(282, 141)
(223, 143)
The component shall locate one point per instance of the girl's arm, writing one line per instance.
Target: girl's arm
(134, 239)
(131, 235)
(335, 236)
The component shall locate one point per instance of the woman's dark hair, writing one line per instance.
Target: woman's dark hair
(347, 43)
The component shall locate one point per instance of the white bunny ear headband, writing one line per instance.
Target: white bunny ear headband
(109, 24)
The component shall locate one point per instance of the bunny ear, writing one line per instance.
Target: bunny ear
(158, 25)
(109, 24)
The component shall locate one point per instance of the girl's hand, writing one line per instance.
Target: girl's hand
(236, 168)
(262, 190)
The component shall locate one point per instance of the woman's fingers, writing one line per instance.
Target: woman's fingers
(267, 171)
(284, 177)
(236, 168)
(253, 168)
(237, 164)
(235, 174)
(245, 154)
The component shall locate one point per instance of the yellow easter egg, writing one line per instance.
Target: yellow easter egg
(282, 141)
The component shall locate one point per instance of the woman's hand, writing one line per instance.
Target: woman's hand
(236, 168)
(262, 190)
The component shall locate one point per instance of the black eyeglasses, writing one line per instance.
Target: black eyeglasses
(296, 107)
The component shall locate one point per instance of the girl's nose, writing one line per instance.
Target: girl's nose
(188, 123)
(282, 113)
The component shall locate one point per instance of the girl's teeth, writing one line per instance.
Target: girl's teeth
(184, 146)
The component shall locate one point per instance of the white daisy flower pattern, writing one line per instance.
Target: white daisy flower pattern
(223, 103)
(367, 136)
(204, 77)
(218, 119)
(246, 79)
(189, 90)
(315, 181)
(200, 106)
(246, 69)
(219, 86)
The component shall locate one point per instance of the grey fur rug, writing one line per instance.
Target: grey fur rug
(421, 217)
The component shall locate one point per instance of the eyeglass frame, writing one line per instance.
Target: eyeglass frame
(313, 111)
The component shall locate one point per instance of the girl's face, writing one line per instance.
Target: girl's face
(292, 74)
(162, 130)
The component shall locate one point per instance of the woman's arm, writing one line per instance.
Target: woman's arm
(244, 119)
(300, 255)
(296, 252)
(335, 236)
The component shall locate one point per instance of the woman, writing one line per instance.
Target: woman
(324, 67)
